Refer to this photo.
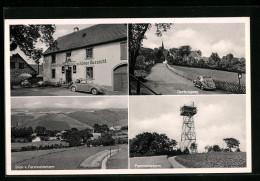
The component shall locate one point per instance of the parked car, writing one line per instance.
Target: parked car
(87, 86)
(204, 82)
(26, 83)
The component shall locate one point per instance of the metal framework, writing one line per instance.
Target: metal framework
(188, 134)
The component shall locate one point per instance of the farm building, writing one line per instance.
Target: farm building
(115, 128)
(36, 139)
(96, 136)
(97, 53)
(19, 66)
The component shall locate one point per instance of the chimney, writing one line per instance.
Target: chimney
(76, 29)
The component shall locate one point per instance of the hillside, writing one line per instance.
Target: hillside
(109, 117)
(58, 122)
(22, 118)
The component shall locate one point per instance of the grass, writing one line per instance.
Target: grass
(38, 144)
(62, 160)
(215, 74)
(118, 160)
(151, 162)
(213, 160)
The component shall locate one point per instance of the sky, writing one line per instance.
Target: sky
(218, 117)
(222, 38)
(61, 30)
(70, 102)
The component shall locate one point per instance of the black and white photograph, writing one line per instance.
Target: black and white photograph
(68, 60)
(188, 132)
(69, 134)
(187, 59)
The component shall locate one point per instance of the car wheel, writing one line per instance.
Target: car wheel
(73, 89)
(201, 87)
(94, 91)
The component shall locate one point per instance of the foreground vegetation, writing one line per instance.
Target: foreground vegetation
(213, 160)
(225, 81)
(64, 159)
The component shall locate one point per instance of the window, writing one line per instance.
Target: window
(89, 72)
(53, 73)
(123, 51)
(74, 69)
(12, 65)
(21, 65)
(53, 59)
(68, 57)
(89, 53)
(62, 69)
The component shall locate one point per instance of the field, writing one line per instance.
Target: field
(118, 160)
(215, 74)
(38, 144)
(59, 160)
(151, 162)
(213, 160)
(224, 81)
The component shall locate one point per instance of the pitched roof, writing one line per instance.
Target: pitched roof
(17, 55)
(194, 54)
(97, 34)
(35, 67)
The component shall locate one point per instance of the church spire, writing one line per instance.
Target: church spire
(162, 45)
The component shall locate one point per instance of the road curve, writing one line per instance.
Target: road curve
(164, 81)
(174, 163)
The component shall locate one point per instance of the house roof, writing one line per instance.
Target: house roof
(35, 67)
(97, 34)
(194, 54)
(19, 56)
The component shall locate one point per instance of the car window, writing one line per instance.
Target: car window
(77, 81)
(83, 82)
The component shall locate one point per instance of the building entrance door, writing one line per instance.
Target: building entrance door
(120, 79)
(68, 75)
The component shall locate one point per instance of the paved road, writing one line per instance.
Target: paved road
(174, 163)
(164, 81)
(52, 91)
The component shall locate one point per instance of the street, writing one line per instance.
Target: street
(53, 91)
(164, 81)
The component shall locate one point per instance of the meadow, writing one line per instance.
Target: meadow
(63, 159)
(118, 160)
(213, 160)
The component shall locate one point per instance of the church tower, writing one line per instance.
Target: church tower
(162, 45)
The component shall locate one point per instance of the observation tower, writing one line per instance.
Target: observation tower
(188, 135)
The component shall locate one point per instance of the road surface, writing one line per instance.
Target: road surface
(164, 81)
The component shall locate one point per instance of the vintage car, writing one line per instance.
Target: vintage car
(26, 83)
(204, 82)
(86, 86)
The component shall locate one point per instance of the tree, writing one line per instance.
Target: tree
(25, 38)
(193, 147)
(151, 144)
(85, 135)
(214, 58)
(73, 137)
(231, 143)
(100, 128)
(216, 148)
(199, 52)
(184, 50)
(40, 130)
(136, 36)
(208, 148)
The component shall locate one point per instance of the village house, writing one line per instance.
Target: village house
(97, 53)
(19, 66)
(96, 136)
(192, 57)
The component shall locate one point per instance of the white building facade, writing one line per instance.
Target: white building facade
(84, 54)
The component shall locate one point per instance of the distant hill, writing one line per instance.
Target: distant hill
(22, 118)
(58, 122)
(65, 118)
(104, 116)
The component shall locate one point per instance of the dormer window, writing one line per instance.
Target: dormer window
(68, 57)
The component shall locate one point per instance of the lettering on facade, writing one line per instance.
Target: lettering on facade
(91, 62)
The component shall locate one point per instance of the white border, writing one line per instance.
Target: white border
(245, 20)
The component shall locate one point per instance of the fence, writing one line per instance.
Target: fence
(137, 87)
(230, 87)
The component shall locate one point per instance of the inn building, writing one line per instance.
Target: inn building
(97, 53)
